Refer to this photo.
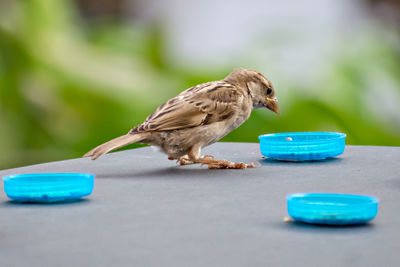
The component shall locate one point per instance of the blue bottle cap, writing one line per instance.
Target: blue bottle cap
(48, 187)
(302, 146)
(332, 209)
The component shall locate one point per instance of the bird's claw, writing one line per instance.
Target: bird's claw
(184, 161)
(214, 163)
(224, 164)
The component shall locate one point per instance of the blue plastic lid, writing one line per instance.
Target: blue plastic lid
(333, 209)
(302, 146)
(48, 187)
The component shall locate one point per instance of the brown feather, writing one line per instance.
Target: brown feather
(191, 107)
(114, 144)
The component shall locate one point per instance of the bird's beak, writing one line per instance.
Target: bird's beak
(272, 104)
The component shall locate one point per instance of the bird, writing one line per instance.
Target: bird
(198, 117)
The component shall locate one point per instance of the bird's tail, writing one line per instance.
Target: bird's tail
(114, 144)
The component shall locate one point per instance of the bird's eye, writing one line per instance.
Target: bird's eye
(269, 91)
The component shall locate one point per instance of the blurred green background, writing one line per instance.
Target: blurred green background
(74, 74)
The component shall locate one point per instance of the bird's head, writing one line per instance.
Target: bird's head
(257, 86)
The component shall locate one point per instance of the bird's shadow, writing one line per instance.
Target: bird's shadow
(167, 172)
(185, 172)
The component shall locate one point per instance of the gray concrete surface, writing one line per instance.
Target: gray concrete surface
(146, 211)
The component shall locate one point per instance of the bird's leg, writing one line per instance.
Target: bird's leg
(194, 156)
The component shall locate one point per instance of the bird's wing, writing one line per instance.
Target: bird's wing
(199, 105)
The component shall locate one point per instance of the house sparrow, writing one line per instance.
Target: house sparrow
(200, 116)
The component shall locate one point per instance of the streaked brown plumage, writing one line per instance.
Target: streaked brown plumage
(200, 116)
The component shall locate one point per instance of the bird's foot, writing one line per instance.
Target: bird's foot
(222, 164)
(184, 160)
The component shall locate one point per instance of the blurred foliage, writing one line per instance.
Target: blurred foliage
(67, 85)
